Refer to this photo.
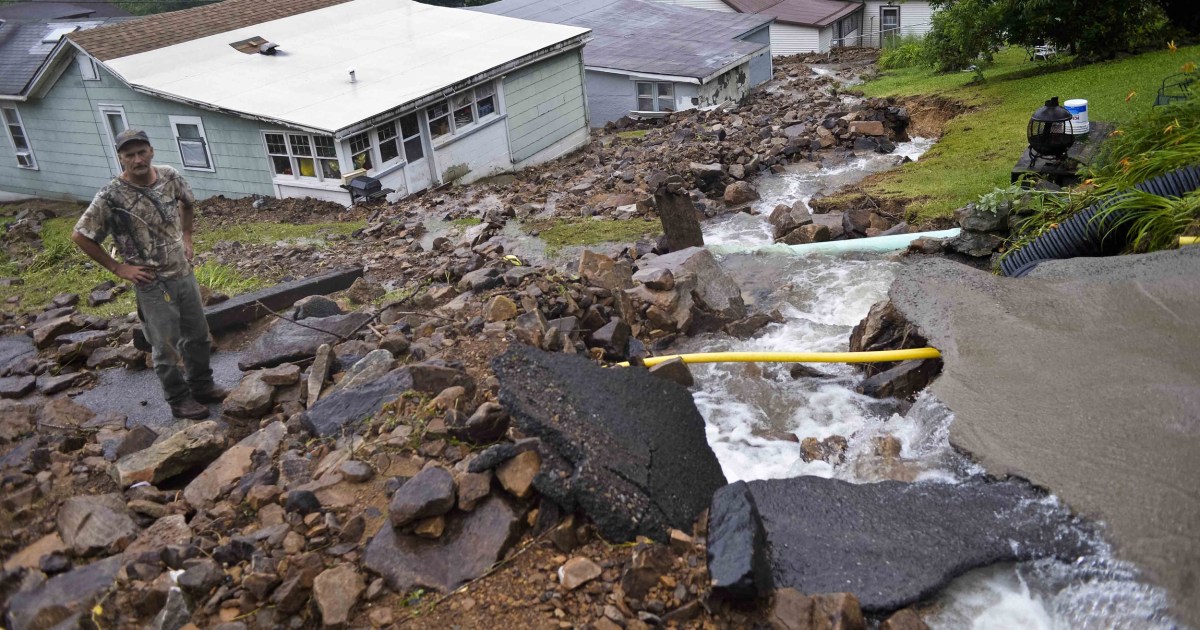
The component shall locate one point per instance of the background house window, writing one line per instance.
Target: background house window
(410, 128)
(655, 97)
(327, 157)
(193, 143)
(360, 151)
(389, 142)
(114, 124)
(462, 110)
(302, 155)
(20, 141)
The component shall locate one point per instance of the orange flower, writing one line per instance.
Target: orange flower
(1129, 97)
(1171, 46)
(1171, 127)
(1126, 164)
(1115, 132)
(1188, 67)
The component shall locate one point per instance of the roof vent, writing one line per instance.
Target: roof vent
(267, 48)
(250, 46)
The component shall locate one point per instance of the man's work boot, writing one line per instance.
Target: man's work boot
(212, 394)
(189, 409)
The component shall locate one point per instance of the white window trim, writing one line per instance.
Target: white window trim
(193, 120)
(110, 108)
(13, 141)
(87, 66)
(478, 123)
(654, 88)
(296, 179)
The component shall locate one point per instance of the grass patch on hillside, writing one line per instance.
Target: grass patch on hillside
(467, 221)
(60, 267)
(636, 134)
(267, 232)
(980, 147)
(561, 233)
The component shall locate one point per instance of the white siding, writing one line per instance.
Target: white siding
(711, 5)
(826, 38)
(915, 18)
(790, 40)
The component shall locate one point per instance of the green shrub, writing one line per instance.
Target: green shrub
(908, 52)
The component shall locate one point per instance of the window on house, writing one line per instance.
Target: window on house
(462, 110)
(655, 97)
(302, 155)
(193, 142)
(360, 151)
(389, 142)
(87, 68)
(410, 130)
(20, 141)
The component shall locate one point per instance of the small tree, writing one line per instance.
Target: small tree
(963, 30)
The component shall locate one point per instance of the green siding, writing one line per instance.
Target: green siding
(544, 103)
(70, 144)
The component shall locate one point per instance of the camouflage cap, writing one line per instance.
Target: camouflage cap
(131, 135)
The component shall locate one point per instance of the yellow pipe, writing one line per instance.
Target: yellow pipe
(797, 357)
(1189, 240)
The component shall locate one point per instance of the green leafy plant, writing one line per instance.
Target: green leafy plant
(907, 52)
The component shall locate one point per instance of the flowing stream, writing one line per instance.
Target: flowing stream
(752, 409)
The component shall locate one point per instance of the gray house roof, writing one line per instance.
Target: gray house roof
(26, 44)
(52, 10)
(639, 37)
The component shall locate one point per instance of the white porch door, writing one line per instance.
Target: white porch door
(417, 171)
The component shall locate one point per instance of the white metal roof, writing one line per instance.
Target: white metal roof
(400, 50)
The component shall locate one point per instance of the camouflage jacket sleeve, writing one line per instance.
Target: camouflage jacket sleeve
(182, 189)
(95, 220)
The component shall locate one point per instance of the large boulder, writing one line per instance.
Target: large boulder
(287, 341)
(232, 465)
(889, 543)
(63, 600)
(334, 411)
(714, 290)
(625, 447)
(471, 543)
(197, 444)
(96, 524)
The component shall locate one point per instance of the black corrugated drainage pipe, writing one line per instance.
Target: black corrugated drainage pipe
(1082, 235)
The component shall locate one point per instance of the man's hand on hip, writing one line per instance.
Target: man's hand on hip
(134, 274)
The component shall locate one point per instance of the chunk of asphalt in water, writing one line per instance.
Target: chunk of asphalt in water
(889, 543)
(632, 446)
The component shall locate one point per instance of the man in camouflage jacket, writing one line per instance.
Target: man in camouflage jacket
(147, 210)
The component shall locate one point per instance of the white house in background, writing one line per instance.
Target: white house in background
(803, 26)
(645, 58)
(286, 98)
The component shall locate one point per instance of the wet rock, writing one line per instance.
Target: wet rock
(472, 488)
(737, 554)
(739, 193)
(430, 493)
(63, 300)
(336, 591)
(516, 475)
(432, 378)
(634, 449)
(976, 244)
(837, 611)
(470, 544)
(884, 328)
(364, 291)
(975, 218)
(120, 356)
(648, 565)
(487, 424)
(175, 613)
(251, 398)
(14, 349)
(302, 501)
(706, 176)
(50, 385)
(286, 342)
(893, 543)
(868, 127)
(46, 332)
(927, 245)
(16, 420)
(337, 410)
(138, 438)
(281, 375)
(832, 449)
(16, 386)
(656, 279)
(806, 234)
(747, 326)
(906, 619)
(197, 444)
(91, 524)
(613, 338)
(432, 527)
(355, 471)
(315, 306)
(856, 221)
(480, 280)
(790, 610)
(578, 571)
(675, 371)
(30, 556)
(319, 373)
(602, 271)
(371, 367)
(904, 381)
(200, 577)
(715, 290)
(167, 530)
(102, 296)
(500, 309)
(785, 218)
(233, 465)
(62, 599)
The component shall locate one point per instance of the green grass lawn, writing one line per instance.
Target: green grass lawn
(560, 233)
(980, 147)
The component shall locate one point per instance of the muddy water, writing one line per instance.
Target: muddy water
(749, 408)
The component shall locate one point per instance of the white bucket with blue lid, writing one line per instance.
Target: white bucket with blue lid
(1079, 115)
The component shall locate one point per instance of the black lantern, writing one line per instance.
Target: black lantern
(1050, 132)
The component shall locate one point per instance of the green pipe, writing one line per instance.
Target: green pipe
(890, 243)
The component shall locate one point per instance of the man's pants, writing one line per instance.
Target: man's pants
(173, 320)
